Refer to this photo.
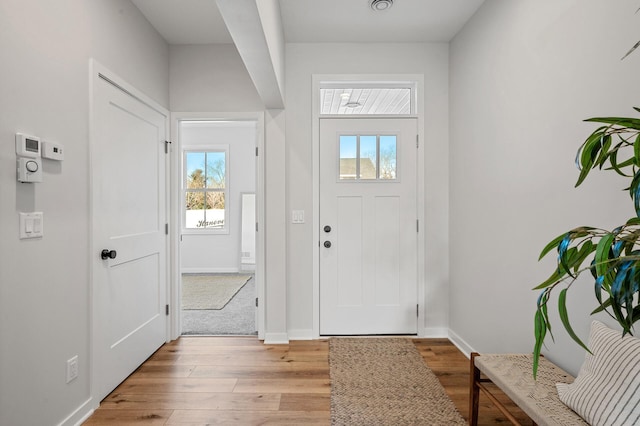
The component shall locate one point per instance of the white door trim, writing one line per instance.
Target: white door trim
(175, 227)
(315, 152)
(99, 72)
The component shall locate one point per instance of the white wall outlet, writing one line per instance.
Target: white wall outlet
(72, 368)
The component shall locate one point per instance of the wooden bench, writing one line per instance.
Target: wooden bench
(512, 373)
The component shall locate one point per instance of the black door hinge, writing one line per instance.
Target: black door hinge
(166, 146)
(256, 302)
(166, 309)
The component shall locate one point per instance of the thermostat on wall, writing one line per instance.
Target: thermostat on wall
(27, 146)
(52, 151)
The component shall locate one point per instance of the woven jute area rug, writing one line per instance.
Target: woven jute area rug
(384, 381)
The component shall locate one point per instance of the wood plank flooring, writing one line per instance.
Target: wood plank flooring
(241, 381)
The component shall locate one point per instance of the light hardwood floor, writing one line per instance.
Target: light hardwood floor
(241, 381)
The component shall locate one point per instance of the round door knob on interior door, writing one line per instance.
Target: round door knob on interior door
(327, 228)
(108, 254)
(327, 244)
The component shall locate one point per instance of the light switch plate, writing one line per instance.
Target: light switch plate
(31, 225)
(297, 216)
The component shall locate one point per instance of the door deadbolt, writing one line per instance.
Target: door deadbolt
(327, 228)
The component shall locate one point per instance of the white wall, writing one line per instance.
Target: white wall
(305, 60)
(44, 284)
(210, 78)
(523, 77)
(206, 252)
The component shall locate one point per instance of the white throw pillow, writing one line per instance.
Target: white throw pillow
(607, 389)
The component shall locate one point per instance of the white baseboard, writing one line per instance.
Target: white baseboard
(301, 334)
(80, 415)
(276, 339)
(434, 332)
(209, 270)
(459, 342)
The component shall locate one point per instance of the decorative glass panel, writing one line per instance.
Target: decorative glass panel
(368, 157)
(388, 156)
(348, 157)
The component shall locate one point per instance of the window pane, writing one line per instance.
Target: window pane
(216, 169)
(215, 212)
(368, 157)
(388, 157)
(194, 211)
(348, 157)
(194, 169)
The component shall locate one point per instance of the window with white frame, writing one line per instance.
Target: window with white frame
(367, 98)
(205, 188)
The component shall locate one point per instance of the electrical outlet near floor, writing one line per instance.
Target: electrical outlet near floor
(72, 368)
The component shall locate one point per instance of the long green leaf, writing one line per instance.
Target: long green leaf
(633, 123)
(540, 330)
(587, 248)
(604, 152)
(552, 244)
(564, 317)
(602, 257)
(553, 278)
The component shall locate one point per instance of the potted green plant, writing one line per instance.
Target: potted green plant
(612, 257)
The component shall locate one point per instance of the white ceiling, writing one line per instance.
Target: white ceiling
(318, 21)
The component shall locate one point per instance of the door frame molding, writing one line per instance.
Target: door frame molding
(317, 79)
(98, 72)
(176, 225)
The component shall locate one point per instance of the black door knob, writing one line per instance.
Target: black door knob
(108, 254)
(327, 228)
(327, 244)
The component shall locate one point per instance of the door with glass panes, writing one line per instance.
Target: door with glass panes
(368, 226)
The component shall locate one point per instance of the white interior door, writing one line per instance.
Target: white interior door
(368, 226)
(129, 216)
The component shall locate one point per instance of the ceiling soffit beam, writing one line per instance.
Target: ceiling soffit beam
(247, 30)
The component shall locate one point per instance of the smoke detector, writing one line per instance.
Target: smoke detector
(380, 5)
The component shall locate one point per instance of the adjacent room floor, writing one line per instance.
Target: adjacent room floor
(238, 317)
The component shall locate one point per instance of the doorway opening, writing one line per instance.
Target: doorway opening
(218, 215)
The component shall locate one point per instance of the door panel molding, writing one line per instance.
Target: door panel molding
(113, 100)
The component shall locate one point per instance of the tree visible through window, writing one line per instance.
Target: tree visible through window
(205, 189)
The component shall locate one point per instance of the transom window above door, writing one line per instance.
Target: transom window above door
(367, 98)
(368, 157)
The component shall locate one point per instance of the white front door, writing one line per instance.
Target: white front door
(368, 226)
(128, 216)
